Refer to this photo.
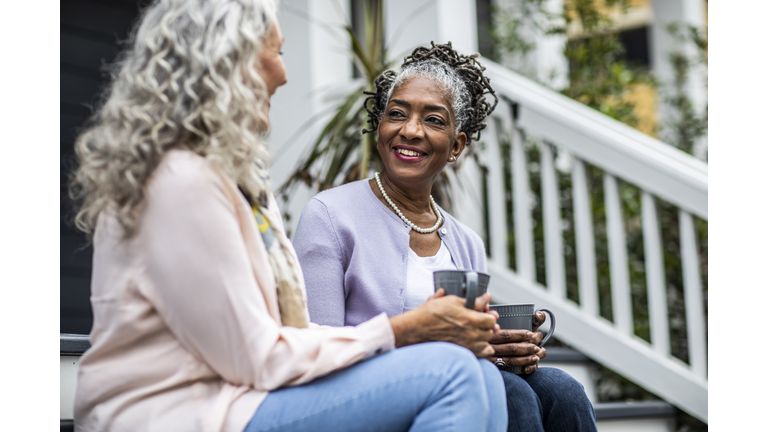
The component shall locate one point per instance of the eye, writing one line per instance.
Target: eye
(436, 120)
(395, 113)
(280, 52)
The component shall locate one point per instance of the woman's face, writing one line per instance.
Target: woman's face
(271, 67)
(417, 132)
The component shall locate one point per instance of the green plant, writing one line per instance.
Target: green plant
(340, 153)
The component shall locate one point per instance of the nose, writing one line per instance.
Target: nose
(412, 129)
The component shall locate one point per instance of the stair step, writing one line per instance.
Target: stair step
(638, 416)
(73, 344)
(565, 355)
(637, 409)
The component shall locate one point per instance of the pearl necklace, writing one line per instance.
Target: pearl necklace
(399, 213)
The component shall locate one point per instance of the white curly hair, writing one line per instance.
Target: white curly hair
(187, 79)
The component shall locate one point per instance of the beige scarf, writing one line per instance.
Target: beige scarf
(291, 295)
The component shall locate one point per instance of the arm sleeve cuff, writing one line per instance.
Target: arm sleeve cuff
(378, 336)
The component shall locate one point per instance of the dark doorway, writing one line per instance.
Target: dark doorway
(91, 34)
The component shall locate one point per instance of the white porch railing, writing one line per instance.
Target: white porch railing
(621, 152)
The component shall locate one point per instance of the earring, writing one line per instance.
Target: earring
(451, 159)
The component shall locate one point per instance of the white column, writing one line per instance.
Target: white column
(412, 23)
(316, 60)
(551, 64)
(546, 63)
(683, 13)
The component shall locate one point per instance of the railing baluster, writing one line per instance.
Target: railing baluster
(521, 195)
(585, 240)
(497, 211)
(617, 248)
(553, 236)
(654, 274)
(694, 306)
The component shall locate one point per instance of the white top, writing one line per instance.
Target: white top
(419, 284)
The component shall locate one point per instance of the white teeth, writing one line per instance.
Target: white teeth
(407, 152)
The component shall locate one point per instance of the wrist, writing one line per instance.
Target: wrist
(404, 327)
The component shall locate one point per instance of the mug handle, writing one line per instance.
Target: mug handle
(551, 328)
(470, 280)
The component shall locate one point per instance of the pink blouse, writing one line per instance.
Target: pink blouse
(186, 332)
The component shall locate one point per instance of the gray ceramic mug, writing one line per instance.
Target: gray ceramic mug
(467, 284)
(521, 316)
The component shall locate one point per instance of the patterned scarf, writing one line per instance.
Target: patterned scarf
(290, 293)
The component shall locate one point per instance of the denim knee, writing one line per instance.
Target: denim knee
(462, 367)
(557, 380)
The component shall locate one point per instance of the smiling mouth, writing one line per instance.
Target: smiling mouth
(406, 152)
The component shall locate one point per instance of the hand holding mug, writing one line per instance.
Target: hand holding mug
(518, 346)
(445, 318)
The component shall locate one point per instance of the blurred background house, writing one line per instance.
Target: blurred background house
(589, 185)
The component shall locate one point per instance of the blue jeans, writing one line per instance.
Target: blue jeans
(434, 386)
(548, 400)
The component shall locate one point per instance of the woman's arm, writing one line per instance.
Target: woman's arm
(199, 275)
(321, 259)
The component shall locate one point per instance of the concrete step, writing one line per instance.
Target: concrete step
(71, 347)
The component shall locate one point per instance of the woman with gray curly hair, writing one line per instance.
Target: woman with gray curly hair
(372, 246)
(200, 316)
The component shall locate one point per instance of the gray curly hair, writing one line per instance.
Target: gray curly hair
(461, 77)
(187, 79)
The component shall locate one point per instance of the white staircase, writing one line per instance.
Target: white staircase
(562, 125)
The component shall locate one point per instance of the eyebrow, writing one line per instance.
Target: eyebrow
(429, 107)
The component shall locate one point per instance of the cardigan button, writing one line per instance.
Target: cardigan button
(444, 231)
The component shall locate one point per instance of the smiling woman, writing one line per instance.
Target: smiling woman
(379, 254)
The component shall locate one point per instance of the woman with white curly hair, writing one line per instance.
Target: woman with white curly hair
(200, 315)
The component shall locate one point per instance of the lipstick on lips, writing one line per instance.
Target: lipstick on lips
(408, 154)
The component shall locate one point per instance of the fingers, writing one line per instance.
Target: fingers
(524, 361)
(482, 302)
(515, 349)
(541, 317)
(530, 369)
(542, 353)
(485, 352)
(511, 336)
(537, 338)
(439, 293)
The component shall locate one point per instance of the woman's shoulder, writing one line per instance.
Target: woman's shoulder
(344, 199)
(180, 163)
(342, 194)
(183, 174)
(343, 207)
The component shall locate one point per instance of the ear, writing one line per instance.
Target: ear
(459, 144)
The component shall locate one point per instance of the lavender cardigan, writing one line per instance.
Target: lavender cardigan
(353, 252)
